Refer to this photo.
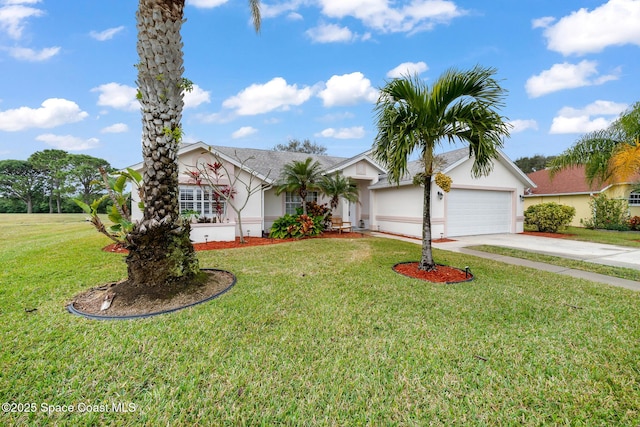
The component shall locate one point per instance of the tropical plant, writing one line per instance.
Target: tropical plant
(211, 175)
(337, 186)
(119, 213)
(459, 106)
(300, 177)
(160, 249)
(296, 226)
(611, 153)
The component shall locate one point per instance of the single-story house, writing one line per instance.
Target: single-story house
(491, 204)
(570, 187)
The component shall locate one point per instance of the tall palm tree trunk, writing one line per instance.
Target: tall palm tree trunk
(426, 262)
(161, 252)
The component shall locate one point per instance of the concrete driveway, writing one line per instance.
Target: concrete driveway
(619, 256)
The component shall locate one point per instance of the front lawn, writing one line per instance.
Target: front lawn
(316, 332)
(621, 238)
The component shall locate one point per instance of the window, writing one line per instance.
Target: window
(634, 198)
(203, 201)
(292, 201)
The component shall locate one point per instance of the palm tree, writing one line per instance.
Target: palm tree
(459, 106)
(336, 186)
(300, 177)
(611, 153)
(160, 249)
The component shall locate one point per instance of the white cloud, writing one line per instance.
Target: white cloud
(330, 33)
(106, 34)
(355, 132)
(275, 95)
(587, 119)
(196, 97)
(53, 112)
(206, 4)
(116, 128)
(68, 142)
(544, 22)
(418, 15)
(566, 76)
(243, 132)
(615, 23)
(408, 68)
(13, 16)
(274, 10)
(522, 125)
(27, 54)
(348, 89)
(115, 95)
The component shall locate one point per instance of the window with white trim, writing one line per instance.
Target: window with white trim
(203, 201)
(634, 198)
(293, 201)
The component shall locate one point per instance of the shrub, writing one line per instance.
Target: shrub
(549, 217)
(634, 223)
(321, 214)
(296, 226)
(608, 214)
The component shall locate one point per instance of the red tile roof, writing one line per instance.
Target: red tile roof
(566, 181)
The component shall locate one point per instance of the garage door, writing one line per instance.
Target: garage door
(471, 212)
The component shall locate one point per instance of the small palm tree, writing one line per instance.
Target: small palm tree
(611, 153)
(300, 177)
(337, 186)
(459, 106)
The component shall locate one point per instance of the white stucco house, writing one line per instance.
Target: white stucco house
(491, 204)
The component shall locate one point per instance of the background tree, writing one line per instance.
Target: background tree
(305, 146)
(337, 186)
(160, 251)
(300, 177)
(84, 173)
(461, 106)
(54, 165)
(611, 153)
(534, 163)
(20, 180)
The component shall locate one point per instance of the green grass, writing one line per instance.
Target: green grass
(316, 332)
(621, 272)
(621, 238)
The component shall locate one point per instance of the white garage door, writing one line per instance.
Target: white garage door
(471, 212)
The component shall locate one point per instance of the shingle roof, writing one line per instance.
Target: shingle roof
(271, 162)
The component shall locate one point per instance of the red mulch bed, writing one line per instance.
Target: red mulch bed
(552, 235)
(250, 241)
(442, 273)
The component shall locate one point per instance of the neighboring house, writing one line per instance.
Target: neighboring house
(570, 187)
(485, 205)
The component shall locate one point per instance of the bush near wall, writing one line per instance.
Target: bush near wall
(549, 217)
(608, 214)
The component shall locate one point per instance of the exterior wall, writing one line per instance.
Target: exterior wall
(399, 209)
(579, 201)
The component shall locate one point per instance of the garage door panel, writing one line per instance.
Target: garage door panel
(471, 212)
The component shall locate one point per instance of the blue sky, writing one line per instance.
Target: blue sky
(68, 76)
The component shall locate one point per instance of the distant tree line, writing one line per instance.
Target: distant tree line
(48, 181)
(305, 146)
(535, 163)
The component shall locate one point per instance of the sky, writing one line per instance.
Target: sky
(312, 72)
